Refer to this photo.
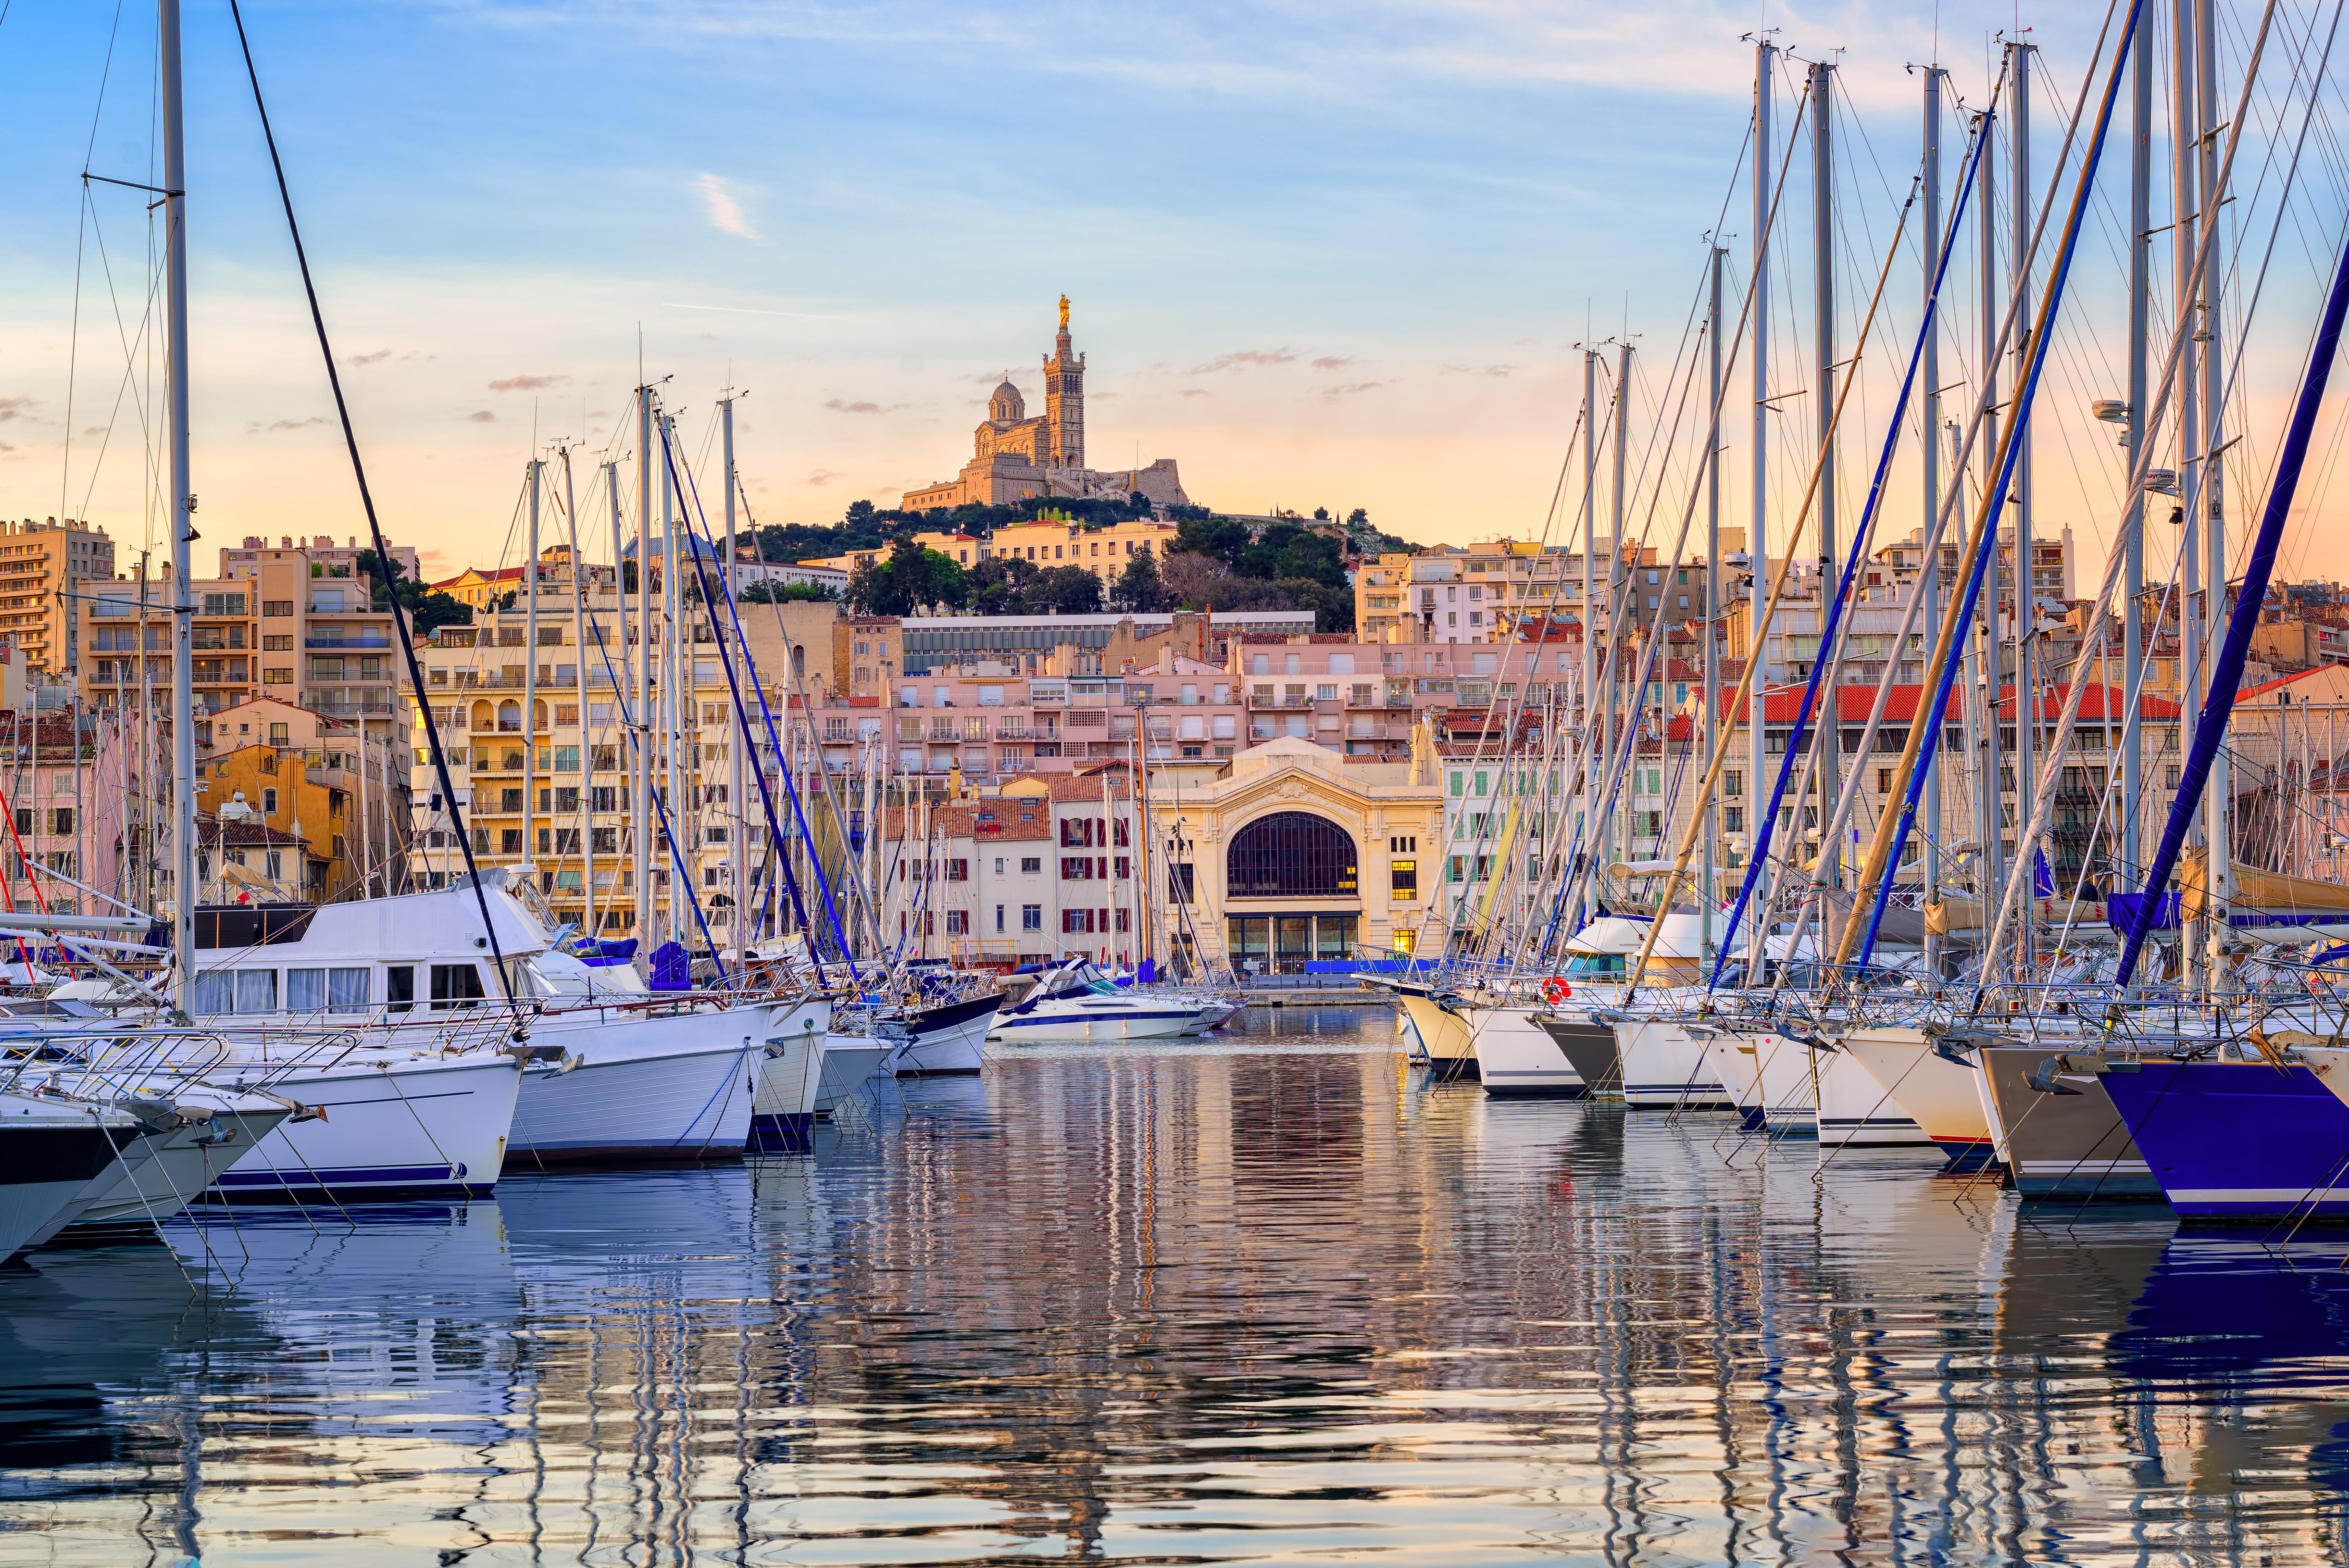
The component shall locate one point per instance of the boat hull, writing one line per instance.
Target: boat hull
(945, 1041)
(1937, 1094)
(2071, 1146)
(1591, 1050)
(628, 1087)
(46, 1170)
(1103, 1022)
(1665, 1065)
(1732, 1056)
(2233, 1140)
(791, 1077)
(1516, 1057)
(1789, 1087)
(1445, 1044)
(1856, 1111)
(849, 1064)
(156, 1177)
(403, 1130)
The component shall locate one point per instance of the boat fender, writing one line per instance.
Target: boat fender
(1554, 989)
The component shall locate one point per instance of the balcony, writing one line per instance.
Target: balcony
(371, 639)
(1025, 733)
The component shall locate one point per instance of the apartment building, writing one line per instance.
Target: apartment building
(43, 566)
(554, 789)
(1100, 548)
(73, 793)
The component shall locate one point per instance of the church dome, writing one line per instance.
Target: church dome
(1007, 407)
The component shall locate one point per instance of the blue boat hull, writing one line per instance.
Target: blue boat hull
(2239, 1141)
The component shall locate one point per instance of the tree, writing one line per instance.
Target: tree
(1219, 538)
(1321, 514)
(434, 610)
(911, 577)
(1138, 587)
(860, 514)
(427, 610)
(784, 593)
(1286, 550)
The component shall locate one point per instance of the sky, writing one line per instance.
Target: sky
(1319, 253)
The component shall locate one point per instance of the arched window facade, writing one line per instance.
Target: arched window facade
(1291, 854)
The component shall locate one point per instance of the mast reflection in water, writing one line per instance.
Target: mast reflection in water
(1259, 1299)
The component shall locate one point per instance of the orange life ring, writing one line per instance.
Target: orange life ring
(1555, 990)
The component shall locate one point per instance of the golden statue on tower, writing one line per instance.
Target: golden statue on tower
(1064, 313)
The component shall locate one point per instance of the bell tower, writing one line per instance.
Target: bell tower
(1064, 399)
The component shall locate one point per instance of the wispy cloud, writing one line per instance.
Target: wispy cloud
(1478, 370)
(1245, 359)
(481, 417)
(256, 427)
(1196, 392)
(725, 211)
(1333, 361)
(823, 476)
(1351, 389)
(526, 383)
(16, 408)
(860, 406)
(378, 358)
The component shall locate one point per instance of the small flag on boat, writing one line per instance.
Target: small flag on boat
(2043, 880)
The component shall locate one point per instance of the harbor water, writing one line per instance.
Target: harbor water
(1265, 1298)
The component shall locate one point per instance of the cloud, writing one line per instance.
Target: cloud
(526, 383)
(256, 427)
(378, 358)
(1332, 361)
(725, 211)
(1350, 388)
(15, 409)
(1478, 370)
(1245, 358)
(861, 406)
(481, 417)
(95, 429)
(821, 476)
(1197, 392)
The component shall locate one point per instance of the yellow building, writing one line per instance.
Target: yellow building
(1296, 854)
(303, 795)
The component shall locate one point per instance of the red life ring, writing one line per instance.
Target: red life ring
(1555, 990)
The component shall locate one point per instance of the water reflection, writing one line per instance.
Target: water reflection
(1264, 1298)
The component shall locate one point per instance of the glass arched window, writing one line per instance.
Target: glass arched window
(1291, 854)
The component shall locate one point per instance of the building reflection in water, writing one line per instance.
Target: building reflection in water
(1260, 1299)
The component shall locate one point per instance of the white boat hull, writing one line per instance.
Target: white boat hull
(413, 1128)
(1098, 1019)
(630, 1087)
(156, 1177)
(1943, 1099)
(945, 1041)
(1782, 1069)
(1854, 1109)
(49, 1163)
(1665, 1065)
(1732, 1057)
(1516, 1057)
(849, 1064)
(791, 1077)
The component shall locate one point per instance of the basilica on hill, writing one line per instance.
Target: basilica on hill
(1014, 456)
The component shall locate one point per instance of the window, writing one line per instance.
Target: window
(958, 870)
(61, 820)
(1733, 819)
(998, 917)
(1076, 922)
(1076, 867)
(1181, 884)
(317, 990)
(1403, 880)
(1292, 853)
(269, 800)
(1403, 844)
(1031, 865)
(456, 985)
(1031, 917)
(268, 607)
(277, 678)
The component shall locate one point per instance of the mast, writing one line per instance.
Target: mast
(2130, 836)
(1586, 829)
(678, 696)
(1990, 794)
(1708, 709)
(530, 681)
(640, 773)
(579, 674)
(1830, 733)
(1622, 715)
(183, 505)
(1757, 548)
(2027, 688)
(1928, 454)
(2218, 803)
(737, 849)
